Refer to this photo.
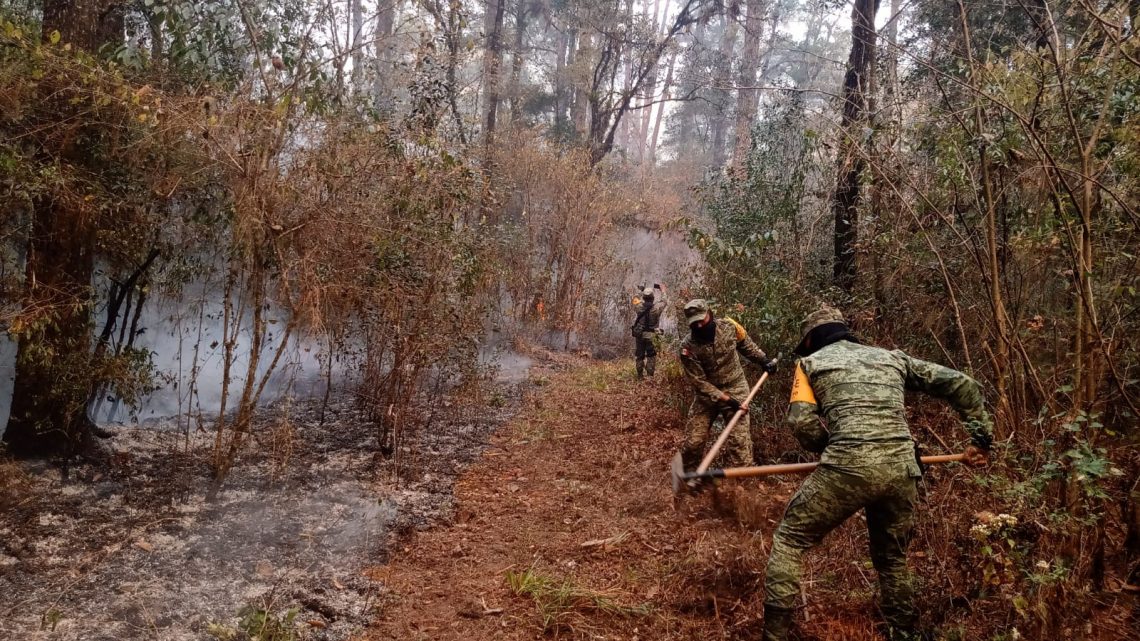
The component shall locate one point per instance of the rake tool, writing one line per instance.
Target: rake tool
(683, 479)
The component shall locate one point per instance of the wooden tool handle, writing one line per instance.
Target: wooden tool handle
(715, 449)
(801, 468)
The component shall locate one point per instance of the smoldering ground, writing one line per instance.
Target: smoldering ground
(133, 551)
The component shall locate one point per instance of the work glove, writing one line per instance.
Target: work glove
(975, 457)
(979, 435)
(769, 366)
(731, 403)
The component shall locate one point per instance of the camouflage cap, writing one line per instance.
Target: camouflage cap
(647, 292)
(822, 316)
(696, 310)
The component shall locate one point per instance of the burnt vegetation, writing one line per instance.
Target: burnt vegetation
(238, 203)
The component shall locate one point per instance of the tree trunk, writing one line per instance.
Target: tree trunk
(626, 136)
(650, 85)
(382, 65)
(517, 61)
(891, 64)
(748, 97)
(580, 107)
(492, 60)
(720, 82)
(661, 110)
(608, 106)
(562, 71)
(845, 206)
(454, 28)
(54, 376)
(357, 46)
(997, 300)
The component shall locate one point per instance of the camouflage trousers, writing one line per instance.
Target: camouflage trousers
(737, 449)
(645, 354)
(826, 499)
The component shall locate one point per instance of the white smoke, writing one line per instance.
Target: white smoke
(186, 339)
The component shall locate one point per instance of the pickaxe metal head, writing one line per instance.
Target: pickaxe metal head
(689, 480)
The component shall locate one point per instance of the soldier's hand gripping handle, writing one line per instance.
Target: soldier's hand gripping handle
(732, 404)
(976, 456)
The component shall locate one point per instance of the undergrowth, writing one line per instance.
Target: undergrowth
(562, 604)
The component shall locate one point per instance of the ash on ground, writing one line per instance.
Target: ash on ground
(132, 550)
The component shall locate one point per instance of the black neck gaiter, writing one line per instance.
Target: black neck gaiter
(704, 334)
(823, 336)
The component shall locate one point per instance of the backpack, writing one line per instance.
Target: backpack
(638, 324)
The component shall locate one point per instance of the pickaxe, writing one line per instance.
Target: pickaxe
(682, 479)
(715, 449)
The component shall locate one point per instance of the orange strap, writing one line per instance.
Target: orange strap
(741, 333)
(801, 388)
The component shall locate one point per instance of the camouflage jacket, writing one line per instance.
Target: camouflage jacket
(714, 366)
(859, 391)
(648, 318)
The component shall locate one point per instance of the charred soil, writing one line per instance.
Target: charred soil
(130, 549)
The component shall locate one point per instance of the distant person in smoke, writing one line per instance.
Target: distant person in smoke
(645, 327)
(710, 357)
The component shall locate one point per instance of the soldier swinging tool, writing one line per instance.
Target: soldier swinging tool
(868, 461)
(710, 358)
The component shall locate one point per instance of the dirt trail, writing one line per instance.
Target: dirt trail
(585, 462)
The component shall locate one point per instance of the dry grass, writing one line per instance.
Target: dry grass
(564, 605)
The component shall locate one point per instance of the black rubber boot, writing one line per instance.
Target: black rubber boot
(777, 623)
(690, 460)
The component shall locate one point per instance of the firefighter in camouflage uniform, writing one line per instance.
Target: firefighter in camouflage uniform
(645, 329)
(868, 460)
(710, 358)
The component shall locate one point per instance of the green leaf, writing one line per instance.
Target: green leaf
(54, 37)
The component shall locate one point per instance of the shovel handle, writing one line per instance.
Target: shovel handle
(801, 468)
(715, 449)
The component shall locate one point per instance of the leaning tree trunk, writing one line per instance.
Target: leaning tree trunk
(53, 361)
(845, 206)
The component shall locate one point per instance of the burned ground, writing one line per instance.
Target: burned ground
(131, 549)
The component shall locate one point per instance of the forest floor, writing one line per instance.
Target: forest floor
(130, 548)
(566, 527)
(540, 507)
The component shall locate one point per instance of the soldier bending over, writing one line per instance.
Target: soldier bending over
(868, 461)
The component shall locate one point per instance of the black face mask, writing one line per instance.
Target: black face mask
(823, 336)
(704, 334)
